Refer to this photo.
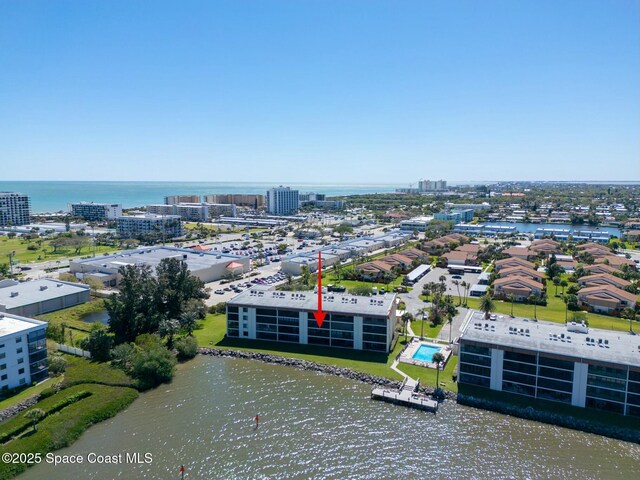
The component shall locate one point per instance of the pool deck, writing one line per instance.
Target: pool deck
(407, 395)
(406, 356)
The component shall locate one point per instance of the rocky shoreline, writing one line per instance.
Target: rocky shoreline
(315, 367)
(18, 407)
(529, 413)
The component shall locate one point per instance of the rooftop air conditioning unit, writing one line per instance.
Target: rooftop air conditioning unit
(43, 287)
(14, 294)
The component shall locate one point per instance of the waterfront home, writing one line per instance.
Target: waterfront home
(520, 287)
(603, 279)
(606, 299)
(571, 364)
(355, 322)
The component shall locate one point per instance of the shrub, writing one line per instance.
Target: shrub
(152, 366)
(99, 343)
(220, 307)
(57, 364)
(122, 356)
(360, 290)
(187, 348)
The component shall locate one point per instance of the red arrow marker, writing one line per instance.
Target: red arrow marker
(319, 314)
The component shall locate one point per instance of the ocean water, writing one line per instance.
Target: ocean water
(56, 196)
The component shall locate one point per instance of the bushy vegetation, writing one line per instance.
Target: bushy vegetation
(76, 409)
(187, 348)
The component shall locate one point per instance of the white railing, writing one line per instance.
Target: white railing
(73, 350)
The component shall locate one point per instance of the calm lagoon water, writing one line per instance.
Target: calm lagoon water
(315, 426)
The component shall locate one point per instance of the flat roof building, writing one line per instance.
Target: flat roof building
(23, 351)
(207, 266)
(96, 212)
(571, 364)
(164, 226)
(40, 296)
(359, 323)
(282, 201)
(15, 209)
(175, 199)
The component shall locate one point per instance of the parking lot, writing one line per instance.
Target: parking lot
(412, 299)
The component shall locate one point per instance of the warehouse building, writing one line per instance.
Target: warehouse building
(207, 266)
(23, 351)
(359, 323)
(572, 364)
(36, 297)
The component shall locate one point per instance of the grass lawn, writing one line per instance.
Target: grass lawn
(427, 376)
(330, 279)
(27, 392)
(214, 326)
(72, 317)
(91, 392)
(42, 253)
(554, 312)
(82, 370)
(429, 331)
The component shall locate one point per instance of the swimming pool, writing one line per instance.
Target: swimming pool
(425, 352)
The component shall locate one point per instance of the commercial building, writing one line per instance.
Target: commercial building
(96, 212)
(40, 296)
(175, 199)
(168, 226)
(571, 364)
(23, 351)
(419, 224)
(15, 209)
(207, 266)
(239, 199)
(359, 323)
(282, 201)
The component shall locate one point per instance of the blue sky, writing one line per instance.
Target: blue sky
(319, 90)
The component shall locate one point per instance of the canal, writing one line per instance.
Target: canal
(314, 426)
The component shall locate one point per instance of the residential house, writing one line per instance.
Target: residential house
(513, 262)
(616, 261)
(519, 286)
(460, 258)
(523, 272)
(603, 279)
(374, 271)
(519, 252)
(606, 299)
(598, 268)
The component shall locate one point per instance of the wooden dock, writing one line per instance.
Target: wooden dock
(407, 395)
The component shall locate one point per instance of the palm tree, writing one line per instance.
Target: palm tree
(457, 284)
(188, 321)
(486, 305)
(463, 284)
(563, 284)
(512, 298)
(565, 299)
(35, 415)
(629, 313)
(168, 328)
(556, 281)
(467, 288)
(437, 358)
(533, 299)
